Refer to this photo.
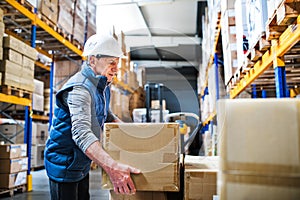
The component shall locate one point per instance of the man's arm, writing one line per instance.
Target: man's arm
(79, 102)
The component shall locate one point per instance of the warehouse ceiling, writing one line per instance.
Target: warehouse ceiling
(157, 32)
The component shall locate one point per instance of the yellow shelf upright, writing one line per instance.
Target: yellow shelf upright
(285, 42)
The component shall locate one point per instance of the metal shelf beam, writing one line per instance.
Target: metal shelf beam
(285, 42)
(14, 100)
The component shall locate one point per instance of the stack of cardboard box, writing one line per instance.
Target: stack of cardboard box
(17, 66)
(14, 164)
(39, 137)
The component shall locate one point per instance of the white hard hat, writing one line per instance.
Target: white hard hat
(102, 45)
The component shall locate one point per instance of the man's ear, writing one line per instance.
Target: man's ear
(92, 60)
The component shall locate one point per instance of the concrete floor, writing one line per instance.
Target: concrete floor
(40, 188)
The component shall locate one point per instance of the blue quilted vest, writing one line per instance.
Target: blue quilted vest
(64, 161)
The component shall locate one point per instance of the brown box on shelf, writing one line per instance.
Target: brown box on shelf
(10, 80)
(37, 155)
(66, 15)
(200, 184)
(237, 187)
(13, 43)
(38, 87)
(13, 165)
(1, 15)
(49, 8)
(28, 63)
(152, 148)
(13, 180)
(30, 52)
(10, 67)
(10, 131)
(37, 102)
(39, 133)
(138, 196)
(13, 150)
(2, 28)
(79, 20)
(26, 84)
(260, 136)
(13, 56)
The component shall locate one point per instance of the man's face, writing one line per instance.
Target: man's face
(105, 66)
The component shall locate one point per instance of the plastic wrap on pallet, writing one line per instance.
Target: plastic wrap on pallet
(80, 20)
(66, 15)
(257, 16)
(49, 8)
(91, 27)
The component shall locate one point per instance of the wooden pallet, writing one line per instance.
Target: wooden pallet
(285, 15)
(11, 191)
(11, 90)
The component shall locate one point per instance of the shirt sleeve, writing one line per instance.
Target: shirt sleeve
(79, 103)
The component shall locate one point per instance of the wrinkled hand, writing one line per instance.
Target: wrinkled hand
(120, 177)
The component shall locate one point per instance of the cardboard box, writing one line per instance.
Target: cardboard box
(12, 56)
(13, 180)
(15, 44)
(28, 63)
(259, 136)
(13, 165)
(152, 148)
(49, 8)
(66, 15)
(13, 131)
(10, 67)
(237, 187)
(37, 102)
(2, 29)
(10, 80)
(39, 133)
(37, 155)
(1, 15)
(38, 87)
(138, 196)
(200, 184)
(26, 83)
(201, 162)
(13, 151)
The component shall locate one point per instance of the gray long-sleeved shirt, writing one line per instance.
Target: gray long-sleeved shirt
(79, 102)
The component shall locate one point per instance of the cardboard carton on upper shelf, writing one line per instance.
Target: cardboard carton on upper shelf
(13, 180)
(49, 8)
(13, 165)
(66, 15)
(13, 151)
(152, 148)
(259, 136)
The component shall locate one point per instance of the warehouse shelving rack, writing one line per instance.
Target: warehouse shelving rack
(289, 38)
(213, 62)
